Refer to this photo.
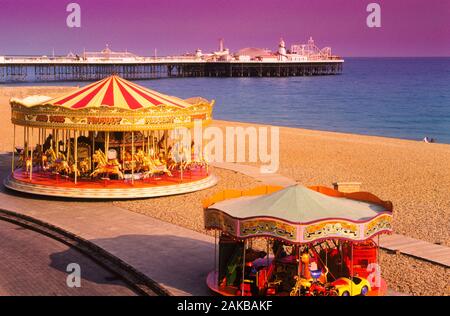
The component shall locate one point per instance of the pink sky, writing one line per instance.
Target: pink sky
(409, 27)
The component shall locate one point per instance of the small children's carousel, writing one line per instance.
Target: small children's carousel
(295, 241)
(109, 139)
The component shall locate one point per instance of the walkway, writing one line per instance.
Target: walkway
(395, 242)
(33, 264)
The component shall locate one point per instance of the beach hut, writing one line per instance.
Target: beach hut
(318, 241)
(109, 139)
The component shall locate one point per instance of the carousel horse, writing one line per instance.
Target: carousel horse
(74, 169)
(157, 169)
(58, 162)
(103, 166)
(43, 159)
(22, 161)
(28, 164)
(44, 162)
(84, 166)
(141, 161)
(151, 166)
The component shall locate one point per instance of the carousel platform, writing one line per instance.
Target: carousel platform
(48, 184)
(211, 282)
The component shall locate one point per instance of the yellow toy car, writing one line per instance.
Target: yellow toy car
(345, 286)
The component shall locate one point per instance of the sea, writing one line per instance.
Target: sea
(405, 98)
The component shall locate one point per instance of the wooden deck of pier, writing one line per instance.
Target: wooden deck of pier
(416, 248)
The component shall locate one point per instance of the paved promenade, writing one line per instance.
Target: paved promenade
(33, 264)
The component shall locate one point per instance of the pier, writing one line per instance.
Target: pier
(39, 69)
(300, 60)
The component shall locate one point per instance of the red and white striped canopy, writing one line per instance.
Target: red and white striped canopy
(118, 93)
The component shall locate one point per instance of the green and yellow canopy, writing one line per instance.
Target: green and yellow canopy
(298, 214)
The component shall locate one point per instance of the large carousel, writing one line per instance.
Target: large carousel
(110, 139)
(297, 241)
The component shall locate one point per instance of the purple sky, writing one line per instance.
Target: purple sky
(409, 27)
